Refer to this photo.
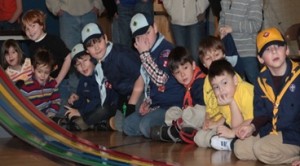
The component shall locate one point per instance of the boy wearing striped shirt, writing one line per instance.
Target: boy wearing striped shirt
(41, 89)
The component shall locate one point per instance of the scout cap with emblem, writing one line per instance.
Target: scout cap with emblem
(77, 51)
(90, 31)
(140, 23)
(268, 37)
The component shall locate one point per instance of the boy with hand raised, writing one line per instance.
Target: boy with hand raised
(161, 88)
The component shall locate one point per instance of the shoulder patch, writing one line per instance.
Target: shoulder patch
(165, 53)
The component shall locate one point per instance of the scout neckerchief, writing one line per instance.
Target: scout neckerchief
(145, 75)
(187, 100)
(99, 74)
(268, 90)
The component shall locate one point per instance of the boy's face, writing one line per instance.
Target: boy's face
(184, 73)
(12, 57)
(224, 86)
(84, 65)
(34, 31)
(274, 56)
(212, 55)
(98, 49)
(149, 37)
(42, 73)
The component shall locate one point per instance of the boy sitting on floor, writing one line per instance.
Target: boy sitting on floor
(88, 109)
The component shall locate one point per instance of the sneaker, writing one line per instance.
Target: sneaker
(63, 122)
(220, 143)
(80, 123)
(164, 133)
(156, 133)
(187, 134)
(104, 125)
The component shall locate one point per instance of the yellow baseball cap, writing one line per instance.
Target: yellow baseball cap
(268, 37)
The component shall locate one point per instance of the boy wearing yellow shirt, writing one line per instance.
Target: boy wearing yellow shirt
(234, 101)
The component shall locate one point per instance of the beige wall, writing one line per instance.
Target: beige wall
(282, 14)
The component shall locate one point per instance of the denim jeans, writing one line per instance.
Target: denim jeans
(70, 27)
(137, 125)
(121, 32)
(251, 67)
(70, 32)
(189, 37)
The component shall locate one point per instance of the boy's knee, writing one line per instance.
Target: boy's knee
(266, 153)
(239, 151)
(145, 127)
(243, 150)
(202, 138)
(127, 128)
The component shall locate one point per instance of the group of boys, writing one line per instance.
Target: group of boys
(114, 77)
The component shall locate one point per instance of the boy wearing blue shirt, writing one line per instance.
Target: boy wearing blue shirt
(87, 107)
(116, 63)
(273, 135)
(184, 69)
(161, 88)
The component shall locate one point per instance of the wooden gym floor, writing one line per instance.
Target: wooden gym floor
(14, 151)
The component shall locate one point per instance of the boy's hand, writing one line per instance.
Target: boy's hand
(71, 112)
(244, 131)
(226, 132)
(144, 108)
(142, 44)
(209, 124)
(224, 99)
(73, 97)
(225, 30)
(296, 163)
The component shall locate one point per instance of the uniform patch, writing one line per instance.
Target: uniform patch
(165, 63)
(165, 53)
(161, 88)
(292, 87)
(108, 85)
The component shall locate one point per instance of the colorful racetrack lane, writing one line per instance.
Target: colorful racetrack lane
(23, 120)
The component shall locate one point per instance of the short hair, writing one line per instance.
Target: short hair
(92, 59)
(210, 43)
(219, 67)
(34, 16)
(178, 56)
(43, 57)
(92, 41)
(4, 50)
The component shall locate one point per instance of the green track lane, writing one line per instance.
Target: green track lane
(37, 142)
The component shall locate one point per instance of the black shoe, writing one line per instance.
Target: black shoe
(164, 133)
(103, 126)
(56, 119)
(63, 122)
(187, 134)
(73, 127)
